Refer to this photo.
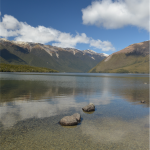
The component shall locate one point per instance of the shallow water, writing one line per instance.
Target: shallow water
(32, 104)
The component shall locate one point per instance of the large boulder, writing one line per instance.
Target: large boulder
(89, 107)
(77, 116)
(70, 120)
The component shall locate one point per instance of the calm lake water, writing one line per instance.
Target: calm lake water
(32, 104)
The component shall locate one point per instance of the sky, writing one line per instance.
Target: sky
(105, 26)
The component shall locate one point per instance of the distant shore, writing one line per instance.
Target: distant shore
(23, 68)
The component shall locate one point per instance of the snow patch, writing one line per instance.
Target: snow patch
(20, 42)
(89, 51)
(57, 55)
(74, 52)
(3, 39)
(93, 58)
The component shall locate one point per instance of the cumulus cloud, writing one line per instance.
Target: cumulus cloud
(21, 31)
(67, 40)
(106, 45)
(113, 15)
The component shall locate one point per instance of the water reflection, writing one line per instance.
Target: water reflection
(57, 94)
(32, 104)
(133, 89)
(21, 110)
(17, 110)
(24, 99)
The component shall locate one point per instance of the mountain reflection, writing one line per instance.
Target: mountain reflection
(33, 90)
(12, 90)
(133, 89)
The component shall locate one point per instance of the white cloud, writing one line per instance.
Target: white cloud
(113, 15)
(9, 22)
(67, 40)
(105, 46)
(21, 31)
(38, 34)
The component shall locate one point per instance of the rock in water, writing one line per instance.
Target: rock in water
(77, 116)
(89, 107)
(70, 120)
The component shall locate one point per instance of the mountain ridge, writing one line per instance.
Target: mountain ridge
(52, 49)
(40, 55)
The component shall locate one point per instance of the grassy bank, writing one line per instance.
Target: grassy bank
(121, 63)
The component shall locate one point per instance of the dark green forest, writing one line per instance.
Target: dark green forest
(23, 68)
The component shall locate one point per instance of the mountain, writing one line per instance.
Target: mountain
(40, 55)
(132, 59)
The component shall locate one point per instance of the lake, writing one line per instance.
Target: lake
(32, 104)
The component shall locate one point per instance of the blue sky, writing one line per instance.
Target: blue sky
(104, 26)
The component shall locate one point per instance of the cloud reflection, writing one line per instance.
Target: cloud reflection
(21, 110)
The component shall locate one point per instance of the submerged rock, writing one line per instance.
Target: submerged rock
(70, 120)
(89, 107)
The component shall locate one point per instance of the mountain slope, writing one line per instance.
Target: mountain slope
(132, 59)
(39, 55)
